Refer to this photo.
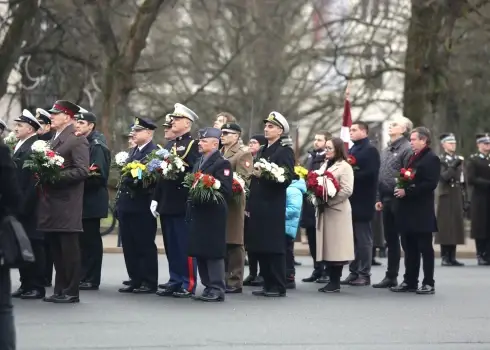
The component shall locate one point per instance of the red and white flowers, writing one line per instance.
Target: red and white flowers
(238, 187)
(45, 163)
(405, 177)
(203, 188)
(321, 185)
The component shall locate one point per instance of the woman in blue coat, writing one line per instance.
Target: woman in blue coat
(294, 202)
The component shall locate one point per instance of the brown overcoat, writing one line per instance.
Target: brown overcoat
(61, 204)
(241, 161)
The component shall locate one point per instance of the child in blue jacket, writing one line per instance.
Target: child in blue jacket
(294, 202)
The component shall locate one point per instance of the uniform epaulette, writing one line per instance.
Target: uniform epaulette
(474, 155)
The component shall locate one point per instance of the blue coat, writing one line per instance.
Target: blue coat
(294, 202)
(366, 172)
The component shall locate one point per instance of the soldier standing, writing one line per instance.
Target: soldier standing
(241, 163)
(95, 201)
(170, 201)
(450, 202)
(478, 176)
(137, 225)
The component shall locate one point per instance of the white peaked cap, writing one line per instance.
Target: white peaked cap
(28, 118)
(82, 110)
(181, 111)
(279, 120)
(43, 112)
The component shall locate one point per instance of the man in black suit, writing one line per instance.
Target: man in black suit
(31, 275)
(415, 213)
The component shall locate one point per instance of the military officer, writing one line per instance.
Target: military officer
(44, 118)
(478, 178)
(451, 190)
(170, 201)
(31, 275)
(241, 160)
(207, 239)
(95, 201)
(137, 225)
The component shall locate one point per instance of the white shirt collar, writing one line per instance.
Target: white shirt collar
(21, 142)
(141, 147)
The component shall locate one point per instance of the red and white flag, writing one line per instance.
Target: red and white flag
(346, 122)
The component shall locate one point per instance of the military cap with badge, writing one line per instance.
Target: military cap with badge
(27, 118)
(168, 121)
(181, 111)
(279, 120)
(483, 138)
(142, 124)
(66, 107)
(43, 116)
(87, 116)
(209, 133)
(447, 137)
(231, 128)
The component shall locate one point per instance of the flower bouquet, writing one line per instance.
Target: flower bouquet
(10, 140)
(44, 163)
(137, 173)
(302, 172)
(121, 159)
(269, 171)
(352, 162)
(238, 187)
(321, 185)
(203, 188)
(170, 165)
(93, 170)
(405, 177)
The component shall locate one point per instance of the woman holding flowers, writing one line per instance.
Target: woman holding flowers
(334, 233)
(272, 175)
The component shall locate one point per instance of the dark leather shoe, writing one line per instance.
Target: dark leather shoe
(291, 284)
(297, 263)
(274, 294)
(182, 293)
(348, 279)
(426, 289)
(233, 290)
(258, 281)
(323, 279)
(446, 262)
(248, 280)
(145, 289)
(51, 298)
(457, 263)
(386, 283)
(360, 282)
(66, 299)
(88, 286)
(163, 286)
(18, 292)
(403, 288)
(482, 261)
(211, 297)
(375, 263)
(166, 292)
(314, 276)
(128, 289)
(330, 288)
(32, 295)
(127, 283)
(259, 293)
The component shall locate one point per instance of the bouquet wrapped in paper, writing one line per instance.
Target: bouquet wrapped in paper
(203, 188)
(44, 163)
(269, 171)
(321, 185)
(238, 187)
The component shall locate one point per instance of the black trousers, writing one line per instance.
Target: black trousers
(273, 268)
(418, 244)
(138, 231)
(7, 327)
(483, 247)
(290, 269)
(32, 275)
(49, 264)
(448, 251)
(392, 238)
(253, 264)
(91, 251)
(311, 235)
(66, 256)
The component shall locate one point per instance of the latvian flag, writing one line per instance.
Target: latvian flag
(346, 124)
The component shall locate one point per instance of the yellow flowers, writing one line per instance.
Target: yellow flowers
(134, 165)
(301, 171)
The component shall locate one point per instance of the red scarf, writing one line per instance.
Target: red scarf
(416, 156)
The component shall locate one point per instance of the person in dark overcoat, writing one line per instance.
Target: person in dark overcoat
(95, 201)
(365, 162)
(315, 159)
(207, 221)
(478, 176)
(32, 274)
(137, 224)
(267, 209)
(45, 134)
(61, 204)
(415, 214)
(450, 201)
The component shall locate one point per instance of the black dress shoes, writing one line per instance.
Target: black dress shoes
(349, 279)
(88, 286)
(426, 290)
(182, 293)
(274, 294)
(314, 276)
(212, 297)
(127, 283)
(127, 289)
(145, 289)
(163, 286)
(51, 298)
(386, 283)
(66, 299)
(233, 290)
(259, 293)
(166, 292)
(331, 287)
(403, 288)
(33, 295)
(18, 292)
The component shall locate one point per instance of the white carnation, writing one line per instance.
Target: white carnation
(121, 158)
(281, 178)
(164, 165)
(39, 146)
(217, 184)
(280, 171)
(182, 169)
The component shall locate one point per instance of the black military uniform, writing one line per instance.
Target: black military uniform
(308, 222)
(31, 275)
(42, 117)
(478, 178)
(450, 194)
(95, 206)
(137, 225)
(171, 198)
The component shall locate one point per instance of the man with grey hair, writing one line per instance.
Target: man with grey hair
(393, 157)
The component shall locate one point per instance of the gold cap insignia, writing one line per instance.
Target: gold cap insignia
(271, 117)
(136, 121)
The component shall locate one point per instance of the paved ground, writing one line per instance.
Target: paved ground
(457, 317)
